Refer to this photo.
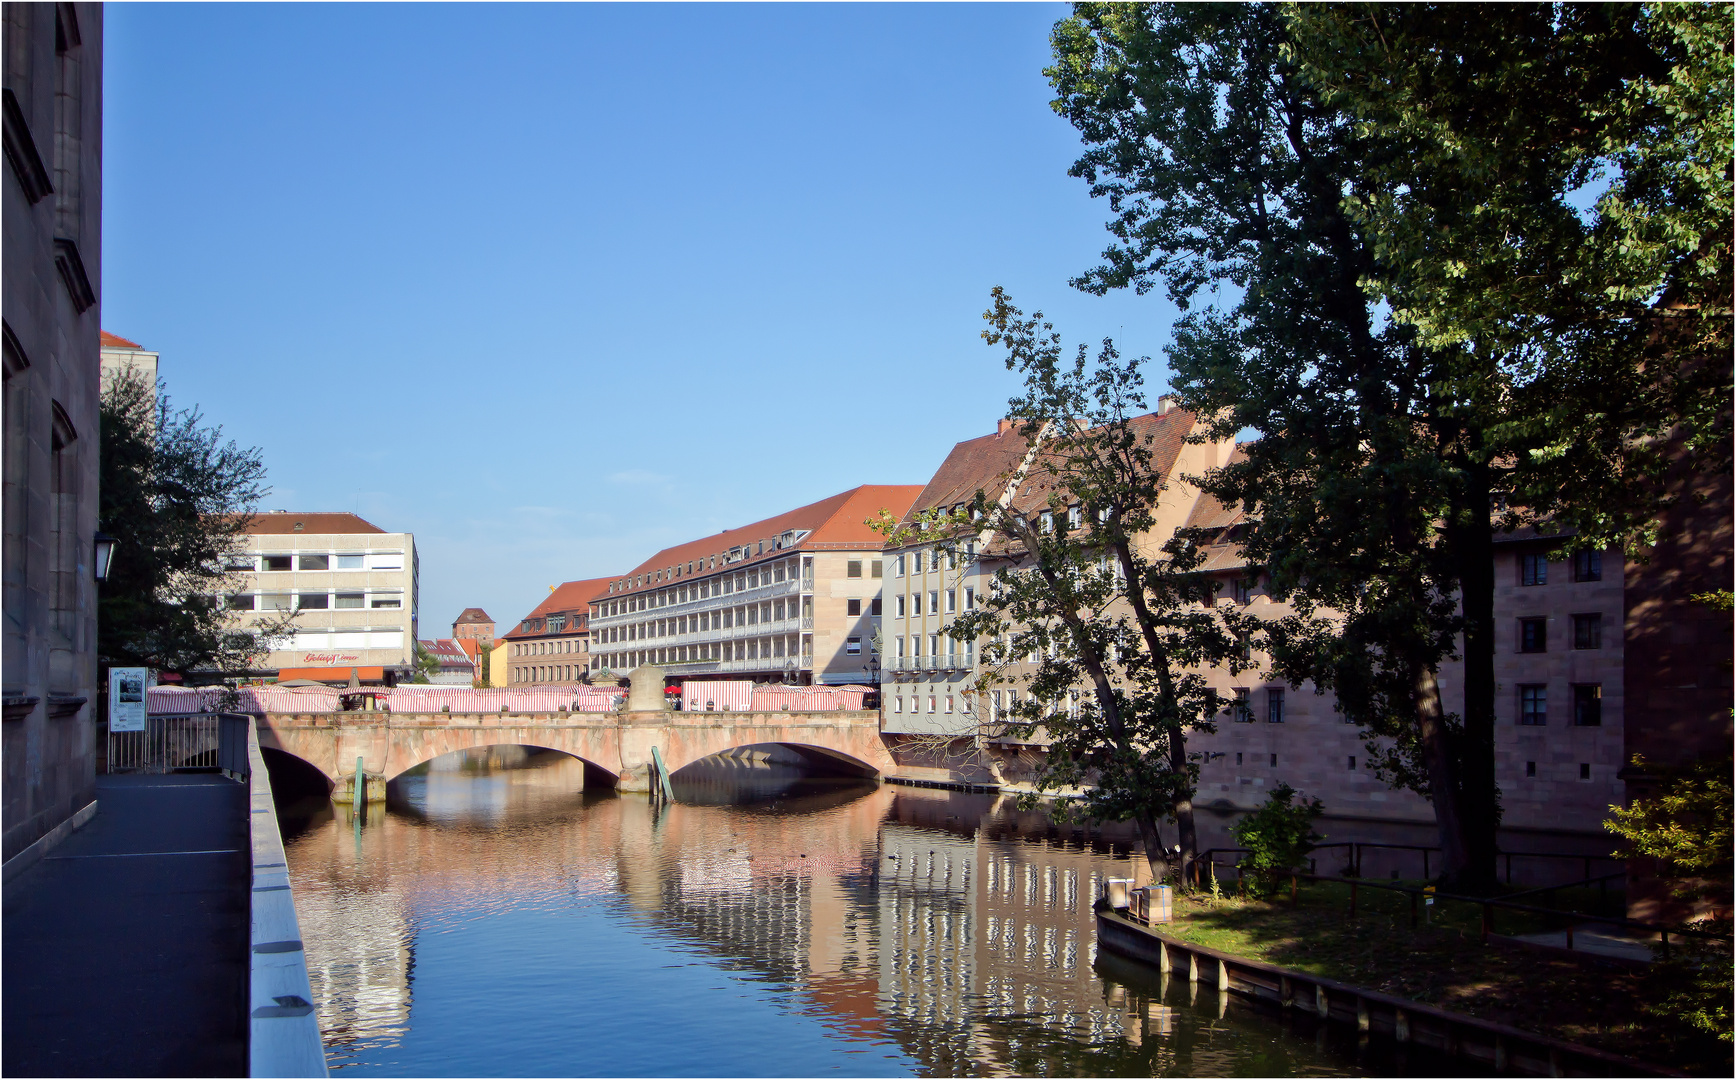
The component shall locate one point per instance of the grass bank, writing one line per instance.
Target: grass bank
(1445, 963)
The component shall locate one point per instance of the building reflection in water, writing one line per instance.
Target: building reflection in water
(948, 925)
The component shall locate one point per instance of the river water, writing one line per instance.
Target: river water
(504, 922)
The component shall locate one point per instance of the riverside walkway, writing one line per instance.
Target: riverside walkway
(126, 946)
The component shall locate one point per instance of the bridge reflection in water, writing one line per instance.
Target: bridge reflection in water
(767, 922)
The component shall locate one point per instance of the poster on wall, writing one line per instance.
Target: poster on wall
(127, 698)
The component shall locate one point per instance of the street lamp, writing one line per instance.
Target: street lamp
(105, 555)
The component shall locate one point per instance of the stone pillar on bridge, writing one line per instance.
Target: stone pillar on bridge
(644, 696)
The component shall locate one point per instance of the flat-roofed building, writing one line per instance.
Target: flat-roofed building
(552, 643)
(120, 355)
(793, 597)
(352, 585)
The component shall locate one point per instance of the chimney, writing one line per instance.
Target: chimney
(1002, 427)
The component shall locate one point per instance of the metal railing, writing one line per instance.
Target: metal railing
(172, 743)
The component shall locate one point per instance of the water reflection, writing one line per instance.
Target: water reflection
(496, 921)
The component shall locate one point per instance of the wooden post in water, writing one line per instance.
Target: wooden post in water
(359, 791)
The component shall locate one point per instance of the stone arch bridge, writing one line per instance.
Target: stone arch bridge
(617, 743)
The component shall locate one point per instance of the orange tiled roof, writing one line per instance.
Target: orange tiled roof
(284, 524)
(115, 341)
(836, 523)
(569, 596)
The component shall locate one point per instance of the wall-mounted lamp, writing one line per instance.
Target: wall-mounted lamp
(105, 555)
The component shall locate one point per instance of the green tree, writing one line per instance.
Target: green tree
(1108, 606)
(177, 498)
(1391, 449)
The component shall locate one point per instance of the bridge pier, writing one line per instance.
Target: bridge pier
(373, 788)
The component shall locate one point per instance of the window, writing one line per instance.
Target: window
(898, 606)
(1588, 631)
(1533, 705)
(240, 602)
(1533, 635)
(1073, 518)
(853, 568)
(276, 562)
(916, 603)
(238, 562)
(1275, 706)
(951, 601)
(898, 704)
(1243, 590)
(949, 703)
(349, 562)
(970, 599)
(934, 559)
(1530, 768)
(1534, 569)
(934, 602)
(915, 644)
(1588, 705)
(390, 560)
(1274, 761)
(1240, 709)
(931, 708)
(898, 566)
(875, 568)
(852, 607)
(1585, 770)
(899, 640)
(348, 600)
(853, 646)
(1587, 565)
(314, 562)
(308, 601)
(1238, 759)
(386, 602)
(1353, 764)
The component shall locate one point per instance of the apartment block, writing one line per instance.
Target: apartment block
(794, 598)
(120, 355)
(553, 643)
(1566, 617)
(353, 588)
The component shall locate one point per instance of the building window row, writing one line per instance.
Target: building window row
(1586, 565)
(543, 648)
(1587, 704)
(777, 647)
(1587, 632)
(313, 601)
(324, 562)
(741, 581)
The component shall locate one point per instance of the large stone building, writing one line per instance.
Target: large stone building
(1566, 618)
(553, 643)
(793, 598)
(352, 586)
(52, 276)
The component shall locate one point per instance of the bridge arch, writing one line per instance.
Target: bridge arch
(820, 759)
(596, 774)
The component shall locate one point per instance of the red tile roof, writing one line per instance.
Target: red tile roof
(472, 615)
(838, 523)
(115, 341)
(284, 524)
(572, 597)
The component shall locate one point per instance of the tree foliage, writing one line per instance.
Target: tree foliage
(1278, 836)
(177, 497)
(1326, 253)
(1686, 825)
(1119, 619)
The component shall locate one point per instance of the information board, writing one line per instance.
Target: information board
(127, 698)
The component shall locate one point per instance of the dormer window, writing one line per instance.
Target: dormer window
(1073, 518)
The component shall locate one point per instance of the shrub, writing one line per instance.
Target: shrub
(1278, 836)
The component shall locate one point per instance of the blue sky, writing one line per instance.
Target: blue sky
(555, 286)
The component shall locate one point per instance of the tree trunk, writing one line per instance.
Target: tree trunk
(1156, 858)
(1443, 774)
(1480, 804)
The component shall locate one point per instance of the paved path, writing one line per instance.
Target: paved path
(125, 948)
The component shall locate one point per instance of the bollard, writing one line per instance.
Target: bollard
(359, 790)
(1353, 898)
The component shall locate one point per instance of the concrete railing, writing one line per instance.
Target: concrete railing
(283, 1027)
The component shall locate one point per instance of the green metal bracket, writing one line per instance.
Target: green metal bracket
(662, 775)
